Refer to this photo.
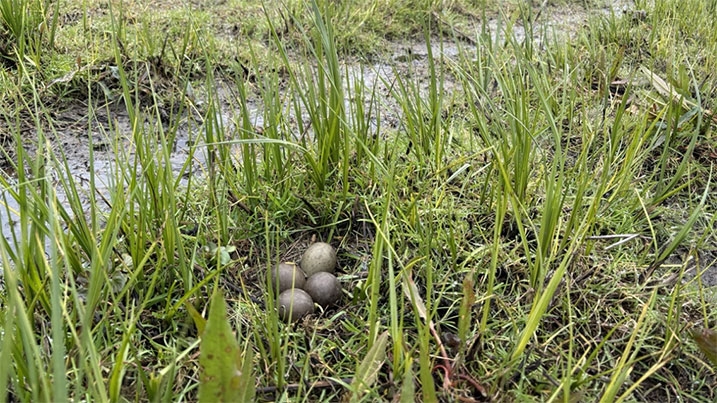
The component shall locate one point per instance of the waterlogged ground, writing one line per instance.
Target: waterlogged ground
(79, 135)
(76, 133)
(91, 143)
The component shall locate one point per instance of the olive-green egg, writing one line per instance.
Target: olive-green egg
(294, 304)
(319, 257)
(286, 276)
(324, 288)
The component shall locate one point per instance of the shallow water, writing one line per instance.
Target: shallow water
(409, 61)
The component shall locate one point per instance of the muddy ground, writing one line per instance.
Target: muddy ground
(76, 133)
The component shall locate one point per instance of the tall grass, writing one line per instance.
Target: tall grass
(422, 112)
(320, 93)
(471, 230)
(32, 24)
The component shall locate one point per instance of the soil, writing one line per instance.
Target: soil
(408, 59)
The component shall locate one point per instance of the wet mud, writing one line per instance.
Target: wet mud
(79, 135)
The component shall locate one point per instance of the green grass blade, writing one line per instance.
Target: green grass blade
(367, 371)
(223, 375)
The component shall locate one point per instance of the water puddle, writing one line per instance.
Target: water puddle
(408, 62)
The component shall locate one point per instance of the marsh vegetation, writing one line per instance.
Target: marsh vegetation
(520, 195)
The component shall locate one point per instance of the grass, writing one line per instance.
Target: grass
(524, 221)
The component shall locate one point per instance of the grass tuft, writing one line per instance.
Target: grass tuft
(519, 214)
